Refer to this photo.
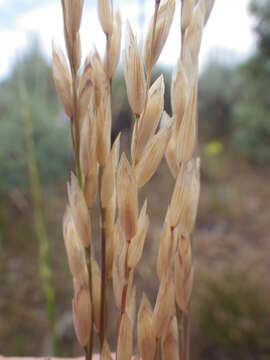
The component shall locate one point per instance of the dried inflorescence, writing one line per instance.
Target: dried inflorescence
(85, 94)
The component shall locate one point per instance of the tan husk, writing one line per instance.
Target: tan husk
(127, 198)
(134, 73)
(148, 123)
(62, 79)
(164, 307)
(124, 346)
(146, 337)
(169, 343)
(153, 49)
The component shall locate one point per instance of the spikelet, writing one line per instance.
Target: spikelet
(106, 352)
(188, 218)
(179, 92)
(124, 345)
(137, 243)
(104, 119)
(74, 247)
(127, 198)
(163, 24)
(167, 248)
(108, 177)
(134, 73)
(152, 157)
(113, 54)
(186, 13)
(81, 311)
(187, 133)
(79, 211)
(118, 270)
(85, 87)
(169, 344)
(164, 307)
(148, 123)
(73, 10)
(105, 14)
(62, 79)
(208, 6)
(181, 191)
(145, 334)
(183, 274)
(193, 35)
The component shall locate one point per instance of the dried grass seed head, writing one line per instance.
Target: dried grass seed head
(134, 73)
(153, 47)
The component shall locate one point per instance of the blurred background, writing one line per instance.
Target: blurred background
(231, 299)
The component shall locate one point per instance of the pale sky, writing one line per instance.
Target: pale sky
(228, 33)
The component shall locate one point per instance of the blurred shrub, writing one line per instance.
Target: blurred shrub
(218, 92)
(50, 130)
(233, 318)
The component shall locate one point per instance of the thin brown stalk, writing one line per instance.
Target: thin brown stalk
(184, 330)
(89, 352)
(103, 268)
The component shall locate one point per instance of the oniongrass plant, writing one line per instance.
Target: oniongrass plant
(85, 94)
(40, 228)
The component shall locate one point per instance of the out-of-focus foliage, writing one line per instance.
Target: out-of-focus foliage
(50, 130)
(219, 89)
(232, 318)
(234, 102)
